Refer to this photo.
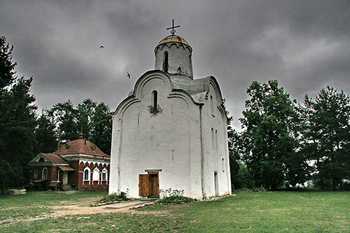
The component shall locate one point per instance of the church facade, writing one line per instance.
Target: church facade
(171, 131)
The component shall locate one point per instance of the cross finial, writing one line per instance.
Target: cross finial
(173, 28)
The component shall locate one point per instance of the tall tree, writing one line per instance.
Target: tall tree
(45, 133)
(327, 136)
(268, 141)
(101, 128)
(7, 66)
(65, 118)
(85, 112)
(17, 121)
(67, 122)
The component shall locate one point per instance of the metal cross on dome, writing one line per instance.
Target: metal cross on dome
(173, 28)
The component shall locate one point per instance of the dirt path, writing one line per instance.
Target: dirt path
(66, 208)
(86, 210)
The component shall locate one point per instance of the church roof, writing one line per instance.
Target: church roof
(80, 146)
(173, 38)
(197, 88)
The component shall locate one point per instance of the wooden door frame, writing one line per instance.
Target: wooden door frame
(145, 183)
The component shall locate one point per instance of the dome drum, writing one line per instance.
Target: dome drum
(174, 56)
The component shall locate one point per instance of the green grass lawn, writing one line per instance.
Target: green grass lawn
(245, 212)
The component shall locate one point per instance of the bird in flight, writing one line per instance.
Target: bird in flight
(102, 47)
(127, 74)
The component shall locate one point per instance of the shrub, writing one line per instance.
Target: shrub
(115, 198)
(174, 197)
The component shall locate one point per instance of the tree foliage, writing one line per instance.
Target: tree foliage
(64, 122)
(7, 66)
(269, 140)
(45, 133)
(17, 121)
(327, 136)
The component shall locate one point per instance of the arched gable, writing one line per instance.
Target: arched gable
(136, 94)
(215, 85)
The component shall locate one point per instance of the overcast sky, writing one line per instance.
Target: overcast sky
(305, 45)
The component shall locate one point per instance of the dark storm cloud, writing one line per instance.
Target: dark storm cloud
(303, 44)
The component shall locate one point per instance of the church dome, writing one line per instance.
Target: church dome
(173, 38)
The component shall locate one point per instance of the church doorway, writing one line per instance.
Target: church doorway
(154, 185)
(149, 185)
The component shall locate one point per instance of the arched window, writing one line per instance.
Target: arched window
(87, 174)
(44, 176)
(104, 174)
(154, 101)
(96, 174)
(35, 174)
(165, 62)
(212, 105)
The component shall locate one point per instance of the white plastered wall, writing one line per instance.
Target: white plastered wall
(216, 156)
(168, 140)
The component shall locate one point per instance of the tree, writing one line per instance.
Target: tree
(269, 140)
(7, 67)
(45, 133)
(64, 116)
(85, 112)
(101, 128)
(17, 121)
(327, 136)
(67, 122)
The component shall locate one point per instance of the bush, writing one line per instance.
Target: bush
(115, 198)
(174, 200)
(174, 197)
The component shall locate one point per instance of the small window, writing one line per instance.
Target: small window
(104, 174)
(41, 160)
(87, 174)
(223, 164)
(165, 62)
(96, 174)
(154, 101)
(44, 177)
(35, 174)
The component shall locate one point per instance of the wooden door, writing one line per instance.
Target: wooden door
(154, 185)
(144, 185)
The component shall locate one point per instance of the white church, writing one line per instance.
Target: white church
(170, 132)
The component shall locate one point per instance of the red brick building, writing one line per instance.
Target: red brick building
(78, 164)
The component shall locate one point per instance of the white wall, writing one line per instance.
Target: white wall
(167, 140)
(216, 146)
(177, 57)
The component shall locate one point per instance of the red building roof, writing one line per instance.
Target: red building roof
(54, 158)
(80, 146)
